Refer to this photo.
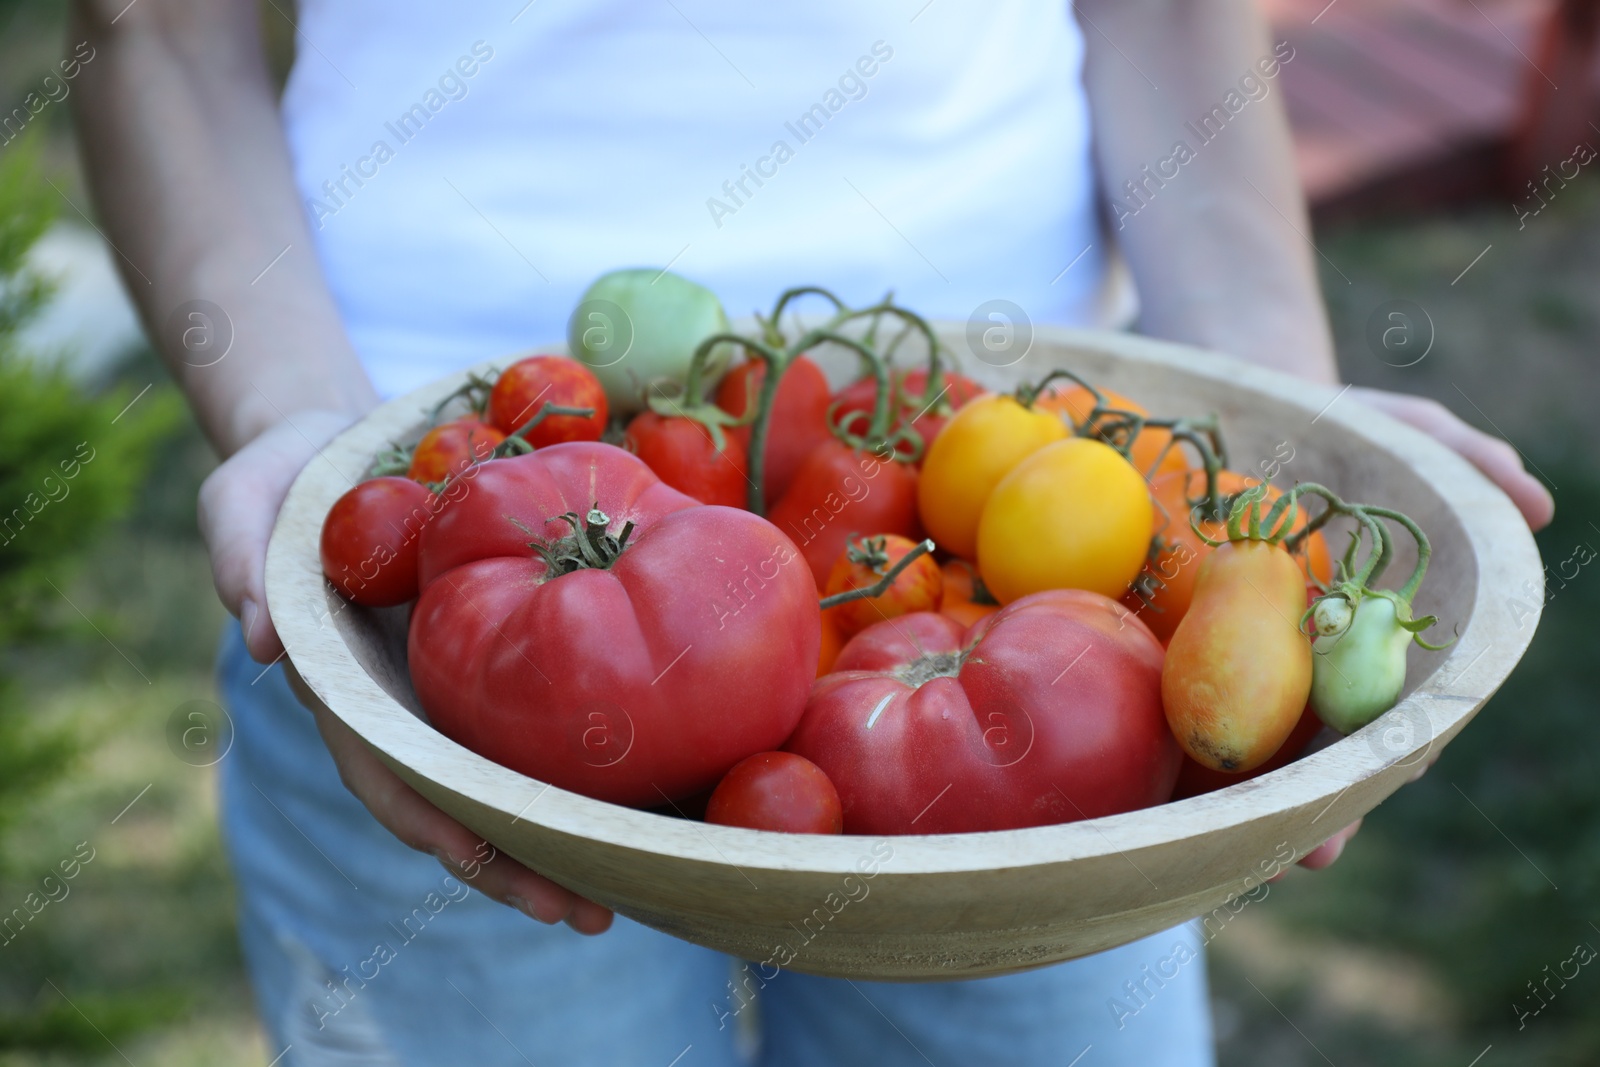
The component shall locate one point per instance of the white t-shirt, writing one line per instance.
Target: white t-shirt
(468, 168)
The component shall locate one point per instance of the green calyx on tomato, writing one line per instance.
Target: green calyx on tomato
(1361, 634)
(635, 328)
(1245, 519)
(590, 545)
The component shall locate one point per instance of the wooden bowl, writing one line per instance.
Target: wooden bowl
(965, 905)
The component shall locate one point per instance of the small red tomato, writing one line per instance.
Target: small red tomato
(799, 419)
(777, 791)
(529, 384)
(369, 540)
(452, 448)
(840, 491)
(683, 454)
(863, 564)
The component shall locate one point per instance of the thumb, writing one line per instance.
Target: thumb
(238, 505)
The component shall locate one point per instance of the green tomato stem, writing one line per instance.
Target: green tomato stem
(789, 295)
(776, 362)
(1424, 552)
(883, 584)
(878, 428)
(517, 442)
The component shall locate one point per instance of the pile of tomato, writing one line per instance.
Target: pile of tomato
(912, 605)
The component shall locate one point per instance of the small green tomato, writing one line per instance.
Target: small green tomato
(1358, 674)
(636, 328)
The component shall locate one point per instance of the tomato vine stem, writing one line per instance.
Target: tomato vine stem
(883, 584)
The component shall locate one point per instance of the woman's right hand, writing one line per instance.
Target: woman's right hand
(239, 504)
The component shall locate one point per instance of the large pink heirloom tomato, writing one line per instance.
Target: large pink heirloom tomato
(1047, 711)
(588, 625)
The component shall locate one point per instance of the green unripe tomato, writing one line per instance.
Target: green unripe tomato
(634, 328)
(1357, 675)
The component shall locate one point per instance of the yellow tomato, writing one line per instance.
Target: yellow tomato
(1073, 515)
(977, 447)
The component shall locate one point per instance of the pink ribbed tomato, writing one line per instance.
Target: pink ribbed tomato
(588, 625)
(1047, 711)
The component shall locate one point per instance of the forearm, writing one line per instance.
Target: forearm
(190, 173)
(1219, 244)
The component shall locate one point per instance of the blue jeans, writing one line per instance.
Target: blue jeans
(363, 952)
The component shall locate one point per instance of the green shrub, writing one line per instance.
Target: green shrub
(70, 463)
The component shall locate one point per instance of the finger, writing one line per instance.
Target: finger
(1503, 465)
(1499, 461)
(1324, 854)
(420, 825)
(235, 519)
(589, 918)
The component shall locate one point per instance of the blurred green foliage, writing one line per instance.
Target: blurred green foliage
(70, 464)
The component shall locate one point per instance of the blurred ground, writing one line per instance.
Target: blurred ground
(1418, 949)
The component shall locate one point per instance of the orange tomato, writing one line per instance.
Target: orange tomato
(1149, 454)
(977, 447)
(1168, 578)
(1196, 778)
(965, 599)
(1073, 515)
(1238, 670)
(863, 564)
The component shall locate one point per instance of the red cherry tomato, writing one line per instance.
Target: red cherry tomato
(683, 454)
(909, 390)
(528, 384)
(777, 791)
(452, 448)
(842, 492)
(1048, 711)
(370, 540)
(799, 421)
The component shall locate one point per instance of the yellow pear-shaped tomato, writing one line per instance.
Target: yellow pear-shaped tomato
(1238, 669)
(977, 447)
(1073, 515)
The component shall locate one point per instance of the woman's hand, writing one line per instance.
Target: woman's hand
(239, 504)
(1497, 459)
